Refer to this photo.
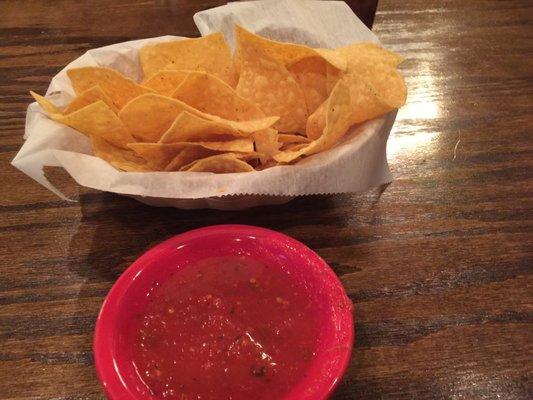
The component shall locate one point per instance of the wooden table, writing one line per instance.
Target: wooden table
(438, 265)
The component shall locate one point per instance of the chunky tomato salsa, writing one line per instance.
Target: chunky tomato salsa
(225, 328)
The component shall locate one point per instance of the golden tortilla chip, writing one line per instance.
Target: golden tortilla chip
(316, 122)
(368, 54)
(211, 95)
(310, 73)
(188, 155)
(165, 82)
(387, 83)
(96, 119)
(159, 155)
(268, 84)
(191, 128)
(332, 77)
(292, 138)
(87, 97)
(269, 164)
(48, 107)
(367, 102)
(266, 143)
(293, 146)
(209, 53)
(118, 157)
(284, 53)
(119, 88)
(337, 123)
(242, 145)
(375, 85)
(370, 98)
(219, 164)
(148, 117)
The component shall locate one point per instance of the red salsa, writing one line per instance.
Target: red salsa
(225, 328)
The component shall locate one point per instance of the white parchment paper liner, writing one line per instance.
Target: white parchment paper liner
(354, 165)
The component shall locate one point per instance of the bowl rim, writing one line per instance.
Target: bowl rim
(107, 369)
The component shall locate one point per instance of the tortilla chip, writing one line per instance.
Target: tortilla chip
(191, 128)
(310, 73)
(269, 164)
(332, 77)
(87, 97)
(370, 98)
(266, 143)
(209, 53)
(368, 54)
(376, 87)
(293, 146)
(212, 95)
(150, 115)
(47, 106)
(188, 155)
(119, 88)
(165, 82)
(285, 53)
(337, 123)
(159, 155)
(220, 164)
(387, 83)
(242, 145)
(292, 138)
(120, 158)
(316, 122)
(268, 84)
(96, 119)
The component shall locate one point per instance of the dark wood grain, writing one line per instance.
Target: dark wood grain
(438, 265)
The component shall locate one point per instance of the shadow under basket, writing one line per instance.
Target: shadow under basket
(237, 202)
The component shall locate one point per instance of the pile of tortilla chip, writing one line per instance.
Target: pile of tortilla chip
(201, 109)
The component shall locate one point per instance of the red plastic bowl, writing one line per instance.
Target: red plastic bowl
(112, 349)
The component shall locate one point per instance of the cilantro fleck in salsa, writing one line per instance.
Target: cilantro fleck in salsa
(225, 328)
